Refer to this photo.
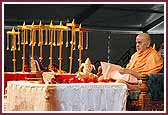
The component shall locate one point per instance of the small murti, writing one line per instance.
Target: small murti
(85, 70)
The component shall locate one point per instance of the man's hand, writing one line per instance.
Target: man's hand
(123, 71)
(131, 72)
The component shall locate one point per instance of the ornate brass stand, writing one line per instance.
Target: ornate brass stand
(13, 34)
(61, 28)
(72, 25)
(24, 40)
(80, 45)
(53, 37)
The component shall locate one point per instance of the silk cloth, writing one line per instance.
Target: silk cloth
(147, 62)
(111, 71)
(25, 96)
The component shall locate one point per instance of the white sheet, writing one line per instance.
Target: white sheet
(23, 96)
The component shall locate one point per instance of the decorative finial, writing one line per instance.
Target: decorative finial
(88, 62)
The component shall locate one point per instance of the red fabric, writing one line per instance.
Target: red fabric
(72, 78)
(64, 78)
(12, 76)
(67, 76)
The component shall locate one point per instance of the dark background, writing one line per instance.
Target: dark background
(112, 29)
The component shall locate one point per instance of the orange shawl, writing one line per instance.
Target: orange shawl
(147, 62)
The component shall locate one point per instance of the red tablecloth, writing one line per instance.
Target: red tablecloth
(64, 78)
(67, 76)
(16, 76)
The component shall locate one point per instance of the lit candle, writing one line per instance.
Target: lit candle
(79, 45)
(18, 41)
(60, 52)
(67, 38)
(22, 36)
(82, 40)
(34, 43)
(23, 58)
(26, 36)
(31, 35)
(7, 42)
(80, 48)
(46, 36)
(50, 58)
(71, 53)
(51, 48)
(49, 40)
(74, 43)
(14, 57)
(42, 36)
(40, 42)
(39, 36)
(41, 45)
(58, 34)
(54, 38)
(14, 37)
(12, 44)
(87, 42)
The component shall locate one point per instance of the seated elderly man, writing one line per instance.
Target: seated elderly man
(145, 61)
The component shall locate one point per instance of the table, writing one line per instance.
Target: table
(15, 76)
(26, 96)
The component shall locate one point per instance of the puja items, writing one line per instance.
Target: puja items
(51, 78)
(84, 75)
(71, 79)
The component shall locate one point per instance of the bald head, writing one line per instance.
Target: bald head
(145, 37)
(143, 42)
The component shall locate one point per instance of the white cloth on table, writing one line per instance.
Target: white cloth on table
(24, 96)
